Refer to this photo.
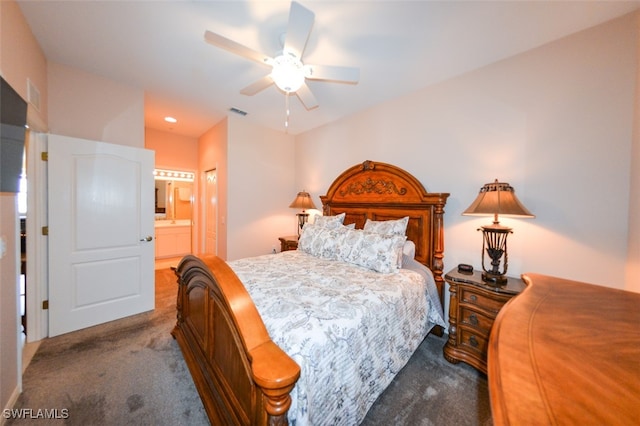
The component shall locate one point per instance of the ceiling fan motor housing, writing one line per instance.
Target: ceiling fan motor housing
(288, 72)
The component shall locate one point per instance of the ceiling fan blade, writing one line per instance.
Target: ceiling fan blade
(298, 30)
(331, 73)
(259, 85)
(306, 97)
(237, 48)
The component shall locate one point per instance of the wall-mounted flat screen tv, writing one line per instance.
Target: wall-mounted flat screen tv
(13, 118)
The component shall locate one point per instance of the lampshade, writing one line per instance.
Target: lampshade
(288, 72)
(497, 198)
(303, 201)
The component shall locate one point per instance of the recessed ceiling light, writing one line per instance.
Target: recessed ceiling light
(170, 120)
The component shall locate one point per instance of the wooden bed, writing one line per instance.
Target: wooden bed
(242, 376)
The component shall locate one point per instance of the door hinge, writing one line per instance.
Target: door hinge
(44, 156)
(45, 230)
(45, 304)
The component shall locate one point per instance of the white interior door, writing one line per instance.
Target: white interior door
(101, 248)
(211, 212)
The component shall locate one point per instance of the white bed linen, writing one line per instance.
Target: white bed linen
(350, 329)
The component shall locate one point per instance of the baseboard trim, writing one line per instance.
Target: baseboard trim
(10, 403)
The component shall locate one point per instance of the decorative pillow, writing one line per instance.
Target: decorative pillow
(329, 221)
(370, 250)
(317, 241)
(393, 227)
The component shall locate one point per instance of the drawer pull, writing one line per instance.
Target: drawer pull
(473, 341)
(473, 319)
(473, 298)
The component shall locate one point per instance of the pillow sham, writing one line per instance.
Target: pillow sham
(394, 226)
(317, 241)
(329, 221)
(368, 249)
(372, 250)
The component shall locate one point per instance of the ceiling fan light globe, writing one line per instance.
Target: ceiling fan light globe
(288, 73)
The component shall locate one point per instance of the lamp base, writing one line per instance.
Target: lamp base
(302, 219)
(495, 279)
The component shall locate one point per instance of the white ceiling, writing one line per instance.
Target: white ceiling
(399, 46)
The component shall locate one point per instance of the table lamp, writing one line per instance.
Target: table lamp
(302, 201)
(497, 198)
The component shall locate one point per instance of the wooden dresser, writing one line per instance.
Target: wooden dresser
(565, 352)
(473, 306)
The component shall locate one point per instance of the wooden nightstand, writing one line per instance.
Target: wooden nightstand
(288, 243)
(473, 307)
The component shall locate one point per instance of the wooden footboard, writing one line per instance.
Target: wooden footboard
(241, 375)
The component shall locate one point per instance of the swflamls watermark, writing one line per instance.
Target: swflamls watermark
(39, 413)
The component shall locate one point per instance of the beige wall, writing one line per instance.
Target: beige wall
(260, 188)
(556, 122)
(173, 151)
(632, 281)
(87, 106)
(21, 59)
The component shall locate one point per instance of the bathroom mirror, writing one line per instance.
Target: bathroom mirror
(173, 194)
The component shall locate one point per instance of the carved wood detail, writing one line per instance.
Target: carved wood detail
(369, 185)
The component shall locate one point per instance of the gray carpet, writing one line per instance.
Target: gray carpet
(131, 371)
(431, 391)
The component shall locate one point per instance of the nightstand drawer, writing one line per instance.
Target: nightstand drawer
(476, 319)
(473, 307)
(474, 297)
(474, 342)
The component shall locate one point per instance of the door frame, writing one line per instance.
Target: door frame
(37, 247)
(37, 283)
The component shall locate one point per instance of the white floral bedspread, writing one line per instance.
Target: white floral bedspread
(351, 330)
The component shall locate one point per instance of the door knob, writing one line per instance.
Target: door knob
(149, 238)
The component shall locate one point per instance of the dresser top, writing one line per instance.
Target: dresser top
(565, 352)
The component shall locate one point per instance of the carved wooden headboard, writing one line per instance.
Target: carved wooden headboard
(380, 191)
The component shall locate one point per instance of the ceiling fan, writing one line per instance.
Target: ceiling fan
(288, 72)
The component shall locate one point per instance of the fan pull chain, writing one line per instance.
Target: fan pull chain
(286, 107)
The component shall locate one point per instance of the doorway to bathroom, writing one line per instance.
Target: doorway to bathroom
(174, 198)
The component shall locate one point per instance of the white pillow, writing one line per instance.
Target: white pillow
(329, 221)
(409, 249)
(371, 250)
(393, 227)
(368, 249)
(318, 241)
